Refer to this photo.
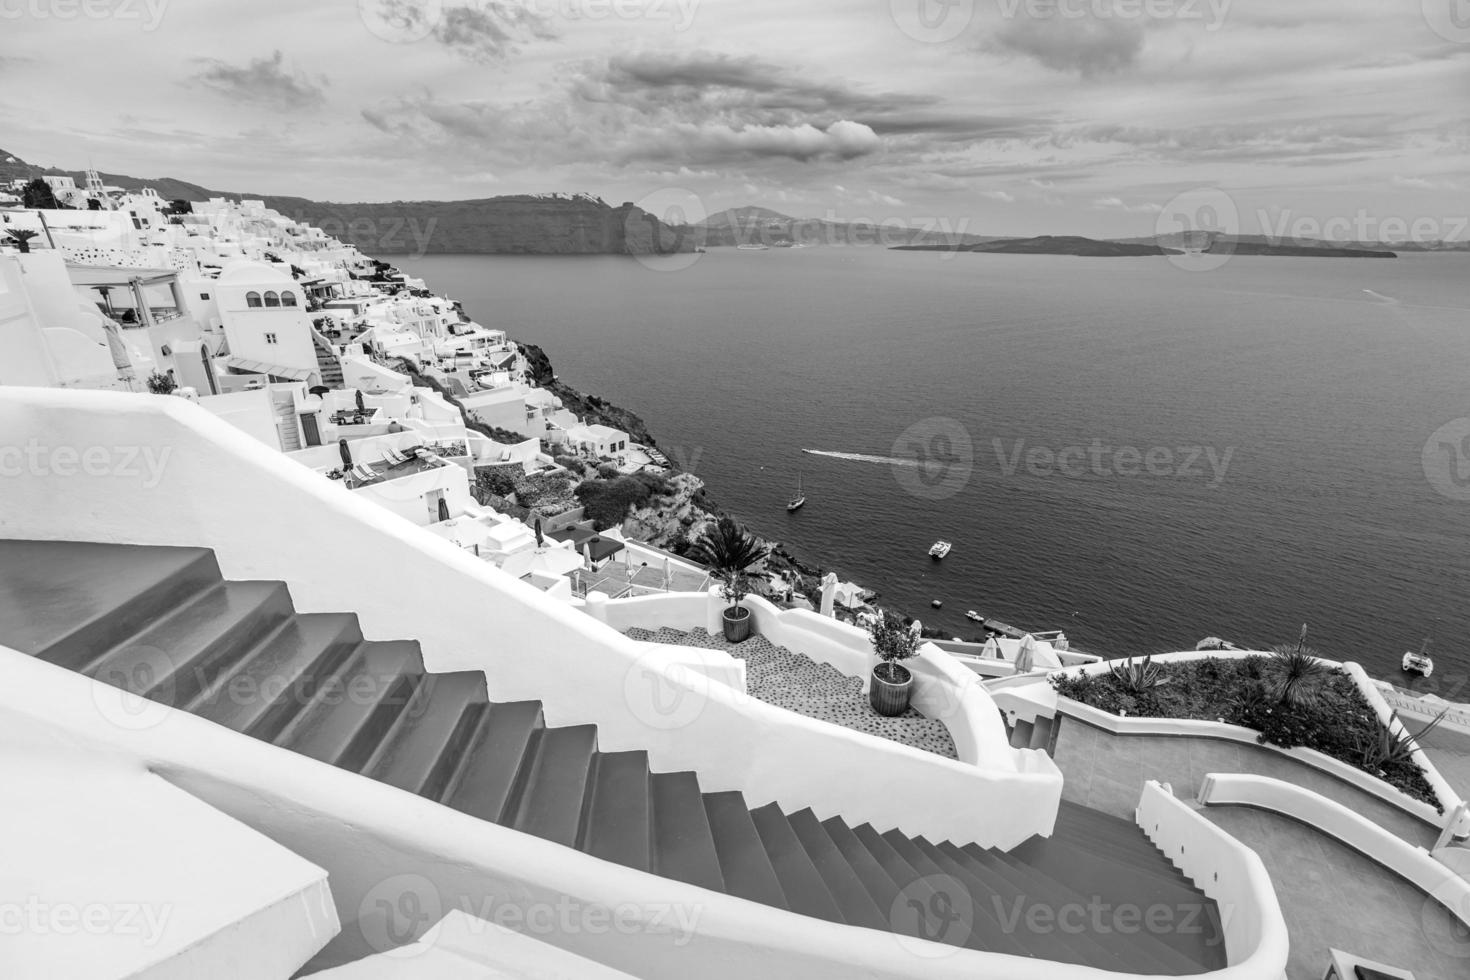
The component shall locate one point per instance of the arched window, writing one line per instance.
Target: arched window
(252, 300)
(288, 298)
(271, 299)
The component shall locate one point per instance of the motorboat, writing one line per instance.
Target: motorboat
(940, 549)
(753, 247)
(973, 615)
(1419, 663)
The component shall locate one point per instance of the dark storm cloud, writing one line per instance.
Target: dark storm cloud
(490, 31)
(264, 81)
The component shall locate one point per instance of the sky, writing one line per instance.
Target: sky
(1005, 117)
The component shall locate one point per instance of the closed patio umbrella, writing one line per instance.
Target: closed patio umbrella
(346, 454)
(1026, 656)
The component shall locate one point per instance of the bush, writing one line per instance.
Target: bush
(1336, 720)
(607, 471)
(500, 481)
(609, 502)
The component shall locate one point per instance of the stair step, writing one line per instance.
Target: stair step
(487, 778)
(422, 751)
(1065, 861)
(1021, 734)
(806, 892)
(277, 679)
(683, 844)
(980, 922)
(551, 796)
(67, 602)
(620, 826)
(356, 707)
(843, 883)
(1140, 854)
(744, 863)
(186, 651)
(1014, 902)
(880, 887)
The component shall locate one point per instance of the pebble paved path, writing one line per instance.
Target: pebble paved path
(797, 683)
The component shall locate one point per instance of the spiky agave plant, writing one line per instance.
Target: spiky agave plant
(1296, 671)
(1137, 678)
(1393, 744)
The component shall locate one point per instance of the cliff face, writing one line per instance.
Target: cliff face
(516, 225)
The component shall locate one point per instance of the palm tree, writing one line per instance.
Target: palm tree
(1297, 671)
(730, 552)
(21, 238)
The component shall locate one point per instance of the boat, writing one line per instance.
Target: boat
(937, 603)
(798, 500)
(752, 248)
(1419, 663)
(940, 549)
(972, 614)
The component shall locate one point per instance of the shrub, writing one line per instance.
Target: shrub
(607, 471)
(608, 502)
(500, 481)
(893, 641)
(162, 384)
(731, 552)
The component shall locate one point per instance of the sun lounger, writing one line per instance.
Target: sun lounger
(363, 474)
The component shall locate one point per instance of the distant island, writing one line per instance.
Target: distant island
(581, 224)
(1051, 245)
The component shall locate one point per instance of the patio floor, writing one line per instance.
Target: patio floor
(797, 683)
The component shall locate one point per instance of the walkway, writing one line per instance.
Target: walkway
(1334, 898)
(797, 683)
(1107, 772)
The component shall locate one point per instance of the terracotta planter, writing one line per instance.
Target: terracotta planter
(891, 698)
(737, 624)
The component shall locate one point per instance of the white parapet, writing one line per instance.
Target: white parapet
(463, 947)
(111, 871)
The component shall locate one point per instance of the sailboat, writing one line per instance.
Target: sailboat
(798, 499)
(1419, 663)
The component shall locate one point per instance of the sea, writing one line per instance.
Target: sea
(1139, 454)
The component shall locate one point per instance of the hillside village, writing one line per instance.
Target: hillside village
(350, 368)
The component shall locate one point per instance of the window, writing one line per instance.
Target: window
(288, 298)
(270, 338)
(271, 299)
(252, 300)
(204, 296)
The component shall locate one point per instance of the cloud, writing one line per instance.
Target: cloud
(1118, 204)
(1424, 184)
(1088, 46)
(490, 30)
(1003, 196)
(264, 81)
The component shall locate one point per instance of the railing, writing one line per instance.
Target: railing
(1257, 943)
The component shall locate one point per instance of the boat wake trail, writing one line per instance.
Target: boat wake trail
(863, 458)
(881, 460)
(1386, 300)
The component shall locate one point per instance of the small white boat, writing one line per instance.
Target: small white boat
(937, 603)
(972, 614)
(752, 248)
(1419, 663)
(940, 549)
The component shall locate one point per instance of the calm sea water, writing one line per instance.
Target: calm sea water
(1323, 394)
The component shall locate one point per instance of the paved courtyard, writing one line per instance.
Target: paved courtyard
(797, 683)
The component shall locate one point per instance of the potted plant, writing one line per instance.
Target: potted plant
(731, 552)
(893, 684)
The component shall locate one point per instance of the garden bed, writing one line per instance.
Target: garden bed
(1329, 715)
